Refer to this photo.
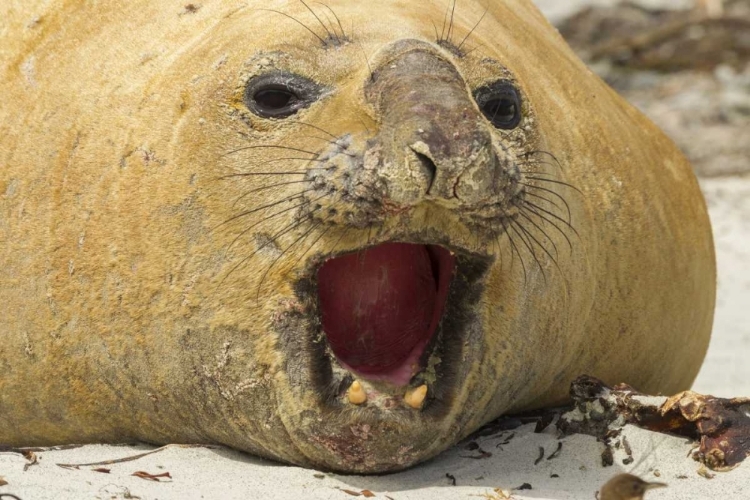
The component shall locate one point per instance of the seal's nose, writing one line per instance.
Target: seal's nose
(435, 142)
(425, 163)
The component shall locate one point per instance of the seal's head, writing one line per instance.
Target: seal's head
(350, 237)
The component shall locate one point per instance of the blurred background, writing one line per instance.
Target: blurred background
(686, 64)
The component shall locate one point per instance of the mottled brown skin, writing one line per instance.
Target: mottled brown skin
(128, 316)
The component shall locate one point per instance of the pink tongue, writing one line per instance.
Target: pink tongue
(380, 306)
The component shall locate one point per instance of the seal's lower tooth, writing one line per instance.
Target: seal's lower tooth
(415, 397)
(356, 393)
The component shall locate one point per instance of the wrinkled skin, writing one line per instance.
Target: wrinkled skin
(136, 307)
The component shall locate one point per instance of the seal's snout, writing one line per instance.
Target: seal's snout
(439, 144)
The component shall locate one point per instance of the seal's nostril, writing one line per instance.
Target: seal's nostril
(428, 166)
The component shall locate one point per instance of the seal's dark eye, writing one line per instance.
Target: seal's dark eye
(500, 103)
(274, 99)
(280, 94)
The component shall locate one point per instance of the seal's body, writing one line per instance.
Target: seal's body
(332, 237)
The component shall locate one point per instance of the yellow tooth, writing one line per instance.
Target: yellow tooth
(356, 393)
(415, 397)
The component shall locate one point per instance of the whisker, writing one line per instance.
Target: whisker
(514, 248)
(272, 239)
(544, 249)
(334, 143)
(539, 151)
(291, 158)
(300, 23)
(554, 246)
(450, 26)
(316, 17)
(343, 33)
(367, 61)
(554, 182)
(333, 28)
(363, 124)
(315, 126)
(264, 219)
(529, 246)
(540, 188)
(283, 252)
(534, 212)
(552, 215)
(246, 259)
(344, 232)
(268, 146)
(536, 163)
(328, 141)
(301, 238)
(248, 174)
(530, 172)
(472, 50)
(445, 21)
(269, 205)
(474, 28)
(500, 252)
(533, 239)
(262, 188)
(548, 201)
(314, 243)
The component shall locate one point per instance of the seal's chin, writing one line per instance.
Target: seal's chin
(381, 307)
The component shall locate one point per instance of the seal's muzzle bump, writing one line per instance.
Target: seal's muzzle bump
(436, 138)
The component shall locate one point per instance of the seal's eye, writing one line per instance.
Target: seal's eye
(275, 98)
(280, 94)
(500, 103)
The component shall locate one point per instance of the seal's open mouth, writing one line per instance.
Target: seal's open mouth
(392, 327)
(381, 306)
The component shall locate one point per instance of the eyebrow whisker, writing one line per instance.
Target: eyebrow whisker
(321, 22)
(300, 23)
(343, 33)
(474, 28)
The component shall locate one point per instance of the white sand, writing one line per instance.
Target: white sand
(225, 474)
(726, 371)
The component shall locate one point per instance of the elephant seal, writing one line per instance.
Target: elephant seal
(342, 236)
